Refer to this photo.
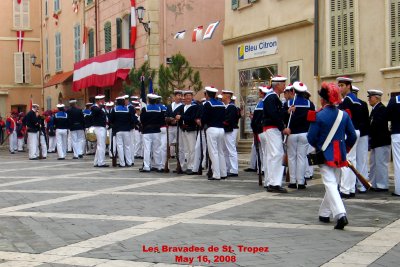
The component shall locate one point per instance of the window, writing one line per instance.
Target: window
(235, 4)
(46, 47)
(22, 67)
(119, 32)
(294, 70)
(48, 103)
(342, 32)
(58, 51)
(394, 32)
(107, 37)
(77, 42)
(126, 31)
(21, 14)
(46, 8)
(91, 43)
(57, 6)
(88, 2)
(249, 80)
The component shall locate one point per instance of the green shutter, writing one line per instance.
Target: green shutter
(394, 32)
(107, 37)
(77, 42)
(235, 4)
(119, 32)
(91, 43)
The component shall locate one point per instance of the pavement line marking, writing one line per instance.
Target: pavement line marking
(23, 182)
(124, 234)
(371, 248)
(353, 200)
(278, 225)
(37, 167)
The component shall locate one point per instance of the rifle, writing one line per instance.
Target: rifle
(199, 131)
(359, 176)
(5, 139)
(178, 162)
(40, 144)
(113, 155)
(257, 145)
(166, 169)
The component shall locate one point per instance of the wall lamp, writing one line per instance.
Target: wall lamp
(140, 13)
(33, 61)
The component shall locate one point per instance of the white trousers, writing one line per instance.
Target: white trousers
(264, 159)
(348, 178)
(133, 142)
(69, 141)
(189, 143)
(43, 145)
(13, 141)
(197, 152)
(124, 142)
(138, 144)
(62, 142)
(78, 142)
(33, 145)
(274, 155)
(253, 156)
(163, 146)
(362, 159)
(52, 143)
(172, 138)
(20, 143)
(151, 146)
(215, 144)
(111, 140)
(379, 163)
(396, 162)
(309, 169)
(297, 147)
(332, 204)
(230, 151)
(99, 157)
(173, 131)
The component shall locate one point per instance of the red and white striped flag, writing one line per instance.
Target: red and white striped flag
(210, 30)
(133, 23)
(83, 50)
(197, 32)
(20, 40)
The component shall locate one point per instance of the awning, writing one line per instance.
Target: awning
(59, 78)
(103, 70)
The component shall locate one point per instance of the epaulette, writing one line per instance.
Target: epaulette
(311, 116)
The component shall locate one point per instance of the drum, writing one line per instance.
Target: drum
(90, 135)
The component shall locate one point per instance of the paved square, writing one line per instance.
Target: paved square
(67, 213)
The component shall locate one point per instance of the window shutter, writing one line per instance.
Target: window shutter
(348, 36)
(25, 14)
(107, 37)
(395, 32)
(91, 43)
(27, 67)
(119, 32)
(235, 4)
(58, 51)
(47, 55)
(18, 68)
(77, 42)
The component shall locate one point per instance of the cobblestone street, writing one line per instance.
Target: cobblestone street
(67, 213)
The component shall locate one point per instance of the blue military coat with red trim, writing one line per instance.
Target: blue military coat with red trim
(343, 140)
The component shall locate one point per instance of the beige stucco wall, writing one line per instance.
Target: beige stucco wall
(10, 92)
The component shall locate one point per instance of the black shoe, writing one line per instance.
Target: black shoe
(103, 166)
(379, 189)
(61, 159)
(291, 185)
(44, 158)
(33, 159)
(276, 189)
(153, 169)
(96, 166)
(352, 195)
(232, 174)
(361, 191)
(224, 177)
(250, 170)
(128, 166)
(395, 195)
(213, 179)
(160, 170)
(69, 151)
(12, 152)
(309, 178)
(121, 166)
(324, 219)
(80, 156)
(180, 172)
(75, 158)
(341, 223)
(301, 186)
(142, 170)
(189, 172)
(343, 195)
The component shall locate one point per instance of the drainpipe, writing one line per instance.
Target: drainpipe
(96, 11)
(316, 38)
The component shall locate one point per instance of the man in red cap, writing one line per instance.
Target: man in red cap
(11, 130)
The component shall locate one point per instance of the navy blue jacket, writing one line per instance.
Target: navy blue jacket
(121, 119)
(298, 122)
(87, 116)
(76, 119)
(272, 111)
(188, 118)
(32, 122)
(213, 113)
(364, 122)
(61, 120)
(232, 116)
(379, 134)
(152, 118)
(353, 106)
(393, 112)
(256, 122)
(99, 117)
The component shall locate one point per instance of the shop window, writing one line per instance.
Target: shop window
(249, 80)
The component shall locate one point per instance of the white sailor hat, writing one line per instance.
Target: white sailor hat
(219, 96)
(374, 92)
(88, 104)
(188, 92)
(227, 92)
(109, 104)
(98, 97)
(134, 97)
(178, 92)
(135, 102)
(288, 88)
(35, 105)
(138, 107)
(203, 99)
(126, 96)
(299, 87)
(233, 98)
(120, 98)
(344, 79)
(152, 96)
(264, 89)
(71, 101)
(278, 78)
(355, 88)
(211, 89)
(60, 105)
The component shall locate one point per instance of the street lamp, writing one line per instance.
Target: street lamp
(33, 61)
(140, 13)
